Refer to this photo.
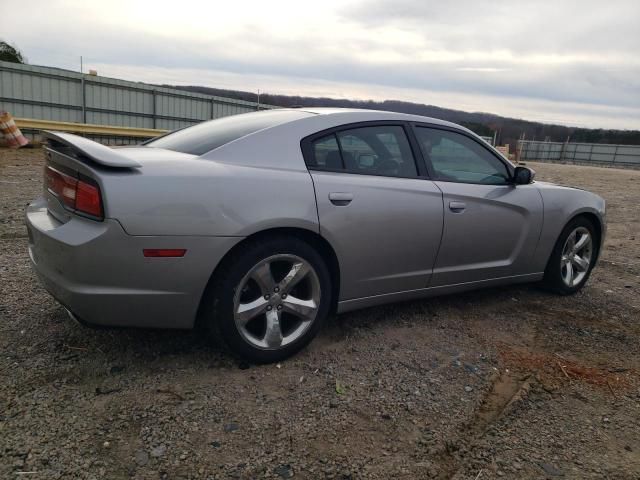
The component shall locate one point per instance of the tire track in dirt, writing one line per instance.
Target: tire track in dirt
(506, 390)
(527, 360)
(507, 387)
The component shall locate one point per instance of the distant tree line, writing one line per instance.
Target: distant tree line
(508, 130)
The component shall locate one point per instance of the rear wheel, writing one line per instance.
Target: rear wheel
(572, 258)
(270, 299)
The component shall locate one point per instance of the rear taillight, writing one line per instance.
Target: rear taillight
(88, 199)
(62, 186)
(75, 194)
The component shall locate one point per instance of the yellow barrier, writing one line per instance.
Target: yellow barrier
(33, 124)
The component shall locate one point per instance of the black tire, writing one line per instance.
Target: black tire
(553, 275)
(219, 300)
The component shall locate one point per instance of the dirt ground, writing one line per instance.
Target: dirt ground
(510, 382)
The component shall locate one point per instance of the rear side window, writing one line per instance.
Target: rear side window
(207, 136)
(327, 153)
(377, 150)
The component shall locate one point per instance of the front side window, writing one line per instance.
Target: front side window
(376, 150)
(457, 158)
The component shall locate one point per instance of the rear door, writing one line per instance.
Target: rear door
(375, 206)
(491, 227)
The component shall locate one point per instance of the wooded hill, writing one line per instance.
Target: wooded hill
(508, 129)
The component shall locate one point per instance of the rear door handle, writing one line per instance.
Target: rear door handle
(457, 207)
(340, 198)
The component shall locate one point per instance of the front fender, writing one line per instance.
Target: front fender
(561, 205)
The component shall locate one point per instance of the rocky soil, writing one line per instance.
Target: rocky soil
(510, 382)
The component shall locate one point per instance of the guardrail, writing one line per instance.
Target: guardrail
(104, 133)
(86, 128)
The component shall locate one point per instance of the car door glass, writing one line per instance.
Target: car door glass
(379, 150)
(326, 153)
(457, 158)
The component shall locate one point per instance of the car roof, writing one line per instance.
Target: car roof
(372, 115)
(279, 145)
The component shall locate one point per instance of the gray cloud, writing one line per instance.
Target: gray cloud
(551, 26)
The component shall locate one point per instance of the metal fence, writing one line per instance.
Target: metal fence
(581, 153)
(46, 93)
(489, 140)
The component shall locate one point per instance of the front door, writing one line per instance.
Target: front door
(491, 227)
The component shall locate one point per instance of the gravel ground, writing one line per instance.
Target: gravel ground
(510, 382)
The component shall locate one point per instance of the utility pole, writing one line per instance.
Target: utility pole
(258, 107)
(81, 64)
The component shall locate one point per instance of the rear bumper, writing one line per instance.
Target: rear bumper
(98, 272)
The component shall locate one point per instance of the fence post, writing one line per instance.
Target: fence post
(615, 153)
(84, 99)
(213, 104)
(154, 108)
(591, 153)
(525, 153)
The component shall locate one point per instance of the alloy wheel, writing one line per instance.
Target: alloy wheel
(576, 256)
(277, 301)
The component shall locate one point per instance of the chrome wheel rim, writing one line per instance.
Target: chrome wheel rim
(576, 256)
(277, 301)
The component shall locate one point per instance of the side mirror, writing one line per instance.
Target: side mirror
(523, 176)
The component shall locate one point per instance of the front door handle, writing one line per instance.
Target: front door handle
(340, 198)
(457, 207)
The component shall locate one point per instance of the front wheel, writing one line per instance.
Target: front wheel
(572, 258)
(271, 299)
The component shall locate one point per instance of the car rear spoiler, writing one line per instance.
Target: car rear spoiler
(94, 151)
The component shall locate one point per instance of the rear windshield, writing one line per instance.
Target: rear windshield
(206, 136)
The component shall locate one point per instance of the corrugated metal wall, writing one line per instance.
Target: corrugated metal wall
(46, 93)
(586, 153)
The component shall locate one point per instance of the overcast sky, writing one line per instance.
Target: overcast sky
(561, 61)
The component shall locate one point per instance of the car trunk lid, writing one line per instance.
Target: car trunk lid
(76, 167)
(76, 161)
(85, 150)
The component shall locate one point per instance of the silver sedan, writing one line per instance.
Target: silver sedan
(258, 226)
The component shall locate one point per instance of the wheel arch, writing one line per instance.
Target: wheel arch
(321, 244)
(594, 218)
